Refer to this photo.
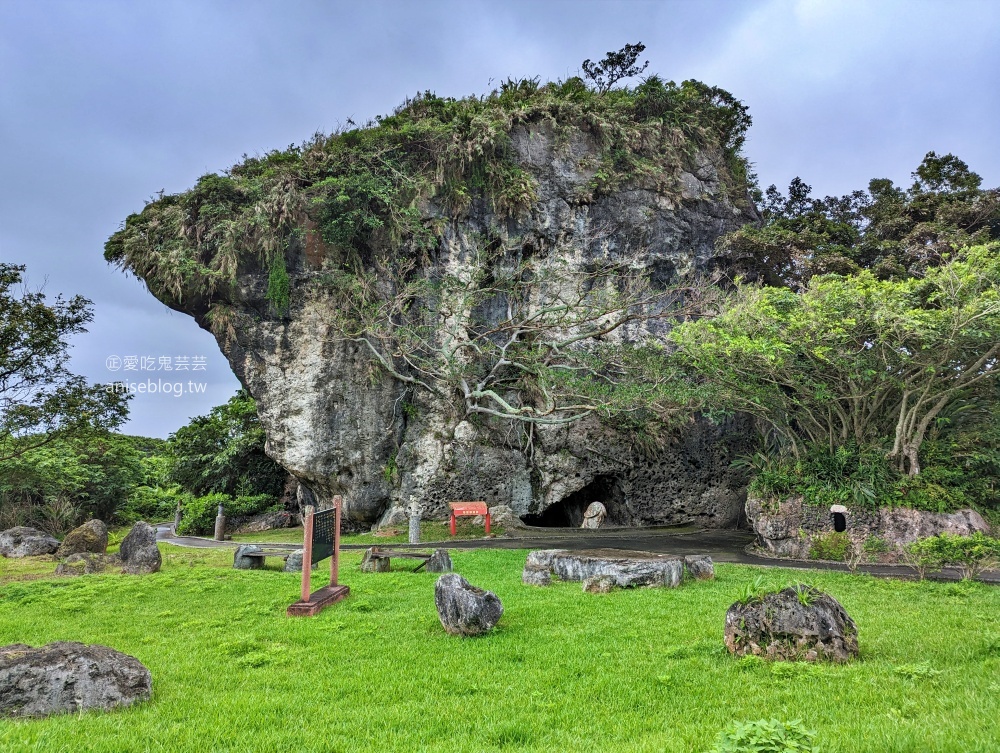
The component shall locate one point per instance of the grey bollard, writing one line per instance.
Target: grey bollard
(177, 519)
(220, 525)
(415, 528)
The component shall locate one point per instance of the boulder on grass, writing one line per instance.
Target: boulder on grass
(536, 576)
(440, 562)
(68, 677)
(87, 563)
(138, 551)
(92, 537)
(23, 541)
(242, 560)
(797, 624)
(293, 564)
(465, 609)
(627, 569)
(700, 566)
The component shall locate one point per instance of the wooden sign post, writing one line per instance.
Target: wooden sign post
(321, 539)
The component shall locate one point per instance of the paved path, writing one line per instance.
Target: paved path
(721, 545)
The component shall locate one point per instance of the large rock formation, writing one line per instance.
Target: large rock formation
(343, 425)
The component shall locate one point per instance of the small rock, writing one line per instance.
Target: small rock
(534, 576)
(138, 551)
(23, 541)
(92, 536)
(598, 584)
(465, 609)
(293, 563)
(700, 566)
(798, 623)
(504, 517)
(440, 562)
(242, 562)
(372, 563)
(87, 563)
(68, 677)
(594, 515)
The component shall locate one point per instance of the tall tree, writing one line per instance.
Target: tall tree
(40, 399)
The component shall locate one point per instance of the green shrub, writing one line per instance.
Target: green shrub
(830, 546)
(153, 503)
(971, 554)
(875, 545)
(198, 513)
(766, 736)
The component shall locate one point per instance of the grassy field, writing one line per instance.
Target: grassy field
(639, 670)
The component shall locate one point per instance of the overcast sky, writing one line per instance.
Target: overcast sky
(103, 104)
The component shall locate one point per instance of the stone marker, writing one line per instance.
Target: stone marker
(138, 551)
(700, 566)
(68, 677)
(780, 626)
(92, 537)
(594, 515)
(463, 608)
(440, 562)
(598, 584)
(22, 541)
(370, 563)
(242, 562)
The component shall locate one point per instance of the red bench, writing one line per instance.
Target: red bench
(468, 509)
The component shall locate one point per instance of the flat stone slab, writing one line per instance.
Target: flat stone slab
(626, 569)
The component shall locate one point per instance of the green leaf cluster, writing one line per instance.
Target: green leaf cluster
(766, 736)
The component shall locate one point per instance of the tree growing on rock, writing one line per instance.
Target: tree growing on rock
(615, 67)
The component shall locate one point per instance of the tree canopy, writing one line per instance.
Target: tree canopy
(40, 398)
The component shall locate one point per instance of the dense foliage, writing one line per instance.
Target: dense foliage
(40, 399)
(893, 232)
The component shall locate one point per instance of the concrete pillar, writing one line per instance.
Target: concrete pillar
(220, 525)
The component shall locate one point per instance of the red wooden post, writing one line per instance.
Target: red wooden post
(307, 550)
(334, 560)
(487, 523)
(451, 523)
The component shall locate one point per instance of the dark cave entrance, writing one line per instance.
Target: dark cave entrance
(568, 512)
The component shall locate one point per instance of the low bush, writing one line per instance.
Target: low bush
(153, 503)
(830, 546)
(766, 736)
(971, 554)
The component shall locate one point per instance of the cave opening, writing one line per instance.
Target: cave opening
(568, 512)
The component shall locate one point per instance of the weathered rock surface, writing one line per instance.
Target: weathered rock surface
(598, 584)
(68, 677)
(440, 562)
(626, 569)
(242, 560)
(700, 566)
(535, 576)
(138, 551)
(465, 609)
(594, 515)
(293, 563)
(92, 537)
(334, 420)
(265, 521)
(371, 562)
(794, 624)
(22, 541)
(88, 563)
(787, 527)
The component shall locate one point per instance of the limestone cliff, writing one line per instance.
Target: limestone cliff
(561, 176)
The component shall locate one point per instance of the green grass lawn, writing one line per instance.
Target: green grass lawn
(430, 530)
(640, 670)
